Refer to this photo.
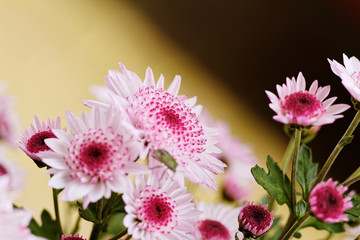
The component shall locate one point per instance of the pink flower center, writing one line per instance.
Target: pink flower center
(168, 123)
(37, 142)
(2, 170)
(157, 211)
(97, 153)
(257, 216)
(329, 202)
(302, 104)
(213, 230)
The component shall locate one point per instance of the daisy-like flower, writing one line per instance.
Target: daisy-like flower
(33, 139)
(159, 209)
(255, 220)
(70, 237)
(296, 105)
(8, 118)
(166, 121)
(349, 74)
(217, 222)
(11, 172)
(94, 159)
(327, 202)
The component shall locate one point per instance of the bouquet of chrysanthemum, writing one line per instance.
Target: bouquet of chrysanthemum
(126, 165)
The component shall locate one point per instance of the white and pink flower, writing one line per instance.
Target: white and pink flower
(166, 121)
(159, 209)
(33, 139)
(349, 74)
(217, 222)
(296, 105)
(327, 202)
(8, 118)
(94, 159)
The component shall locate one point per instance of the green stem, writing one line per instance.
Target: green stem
(120, 234)
(352, 178)
(56, 208)
(296, 226)
(346, 139)
(289, 223)
(287, 155)
(97, 227)
(297, 141)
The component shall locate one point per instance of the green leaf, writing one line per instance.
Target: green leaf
(306, 170)
(330, 227)
(300, 208)
(276, 183)
(236, 236)
(47, 229)
(89, 214)
(354, 212)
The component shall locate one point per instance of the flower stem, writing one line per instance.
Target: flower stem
(287, 155)
(296, 226)
(119, 235)
(77, 225)
(346, 139)
(57, 214)
(97, 227)
(297, 141)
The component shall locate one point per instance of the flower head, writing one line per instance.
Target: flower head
(254, 220)
(349, 74)
(327, 202)
(33, 139)
(9, 170)
(70, 237)
(296, 105)
(159, 209)
(217, 222)
(8, 118)
(94, 159)
(165, 121)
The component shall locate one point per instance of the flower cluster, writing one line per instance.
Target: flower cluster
(131, 160)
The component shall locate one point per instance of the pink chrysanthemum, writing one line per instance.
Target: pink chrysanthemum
(327, 202)
(10, 171)
(94, 159)
(255, 219)
(166, 121)
(33, 139)
(159, 209)
(70, 237)
(295, 105)
(217, 222)
(8, 118)
(349, 74)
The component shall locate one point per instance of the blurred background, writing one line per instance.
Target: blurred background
(228, 53)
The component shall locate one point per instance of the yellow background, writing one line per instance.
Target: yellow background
(53, 51)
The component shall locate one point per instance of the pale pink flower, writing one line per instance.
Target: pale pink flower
(8, 118)
(159, 209)
(11, 171)
(296, 105)
(217, 222)
(70, 237)
(94, 159)
(255, 220)
(166, 121)
(349, 74)
(327, 202)
(33, 139)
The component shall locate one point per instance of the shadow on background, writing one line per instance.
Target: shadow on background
(254, 45)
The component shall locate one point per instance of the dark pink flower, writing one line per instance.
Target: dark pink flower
(327, 202)
(70, 237)
(254, 220)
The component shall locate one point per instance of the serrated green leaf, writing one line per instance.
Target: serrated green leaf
(276, 183)
(306, 170)
(330, 227)
(300, 208)
(47, 229)
(354, 212)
